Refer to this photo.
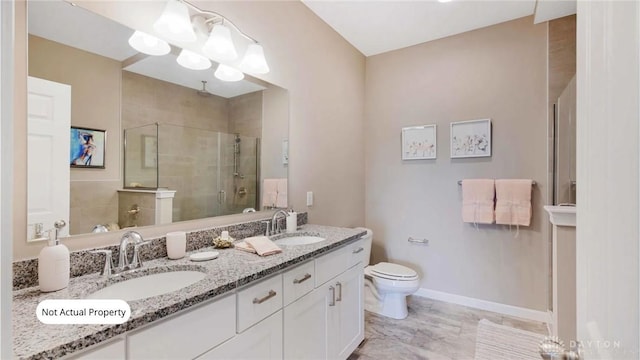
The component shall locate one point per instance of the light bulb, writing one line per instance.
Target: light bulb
(174, 23)
(219, 45)
(193, 61)
(227, 73)
(148, 44)
(254, 61)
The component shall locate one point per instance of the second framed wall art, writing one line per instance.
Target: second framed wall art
(471, 138)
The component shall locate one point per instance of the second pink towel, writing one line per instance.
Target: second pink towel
(513, 201)
(263, 245)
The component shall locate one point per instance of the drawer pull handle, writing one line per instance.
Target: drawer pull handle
(358, 250)
(304, 278)
(269, 296)
(332, 301)
(339, 286)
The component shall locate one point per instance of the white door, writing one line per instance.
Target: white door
(608, 114)
(350, 312)
(49, 119)
(306, 325)
(262, 341)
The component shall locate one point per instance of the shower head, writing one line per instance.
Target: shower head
(204, 92)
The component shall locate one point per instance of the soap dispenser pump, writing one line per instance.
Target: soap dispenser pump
(53, 263)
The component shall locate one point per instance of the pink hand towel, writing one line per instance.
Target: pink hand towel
(263, 246)
(241, 245)
(282, 201)
(513, 201)
(477, 201)
(269, 192)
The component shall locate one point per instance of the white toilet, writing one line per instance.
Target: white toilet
(387, 285)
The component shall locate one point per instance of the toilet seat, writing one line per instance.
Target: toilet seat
(389, 271)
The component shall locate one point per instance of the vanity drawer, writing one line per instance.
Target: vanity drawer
(186, 335)
(258, 301)
(331, 265)
(298, 282)
(357, 253)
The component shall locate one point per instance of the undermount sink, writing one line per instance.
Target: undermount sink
(299, 240)
(149, 285)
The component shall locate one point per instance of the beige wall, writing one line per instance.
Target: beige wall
(326, 112)
(95, 103)
(498, 72)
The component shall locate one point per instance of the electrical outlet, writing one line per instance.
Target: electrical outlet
(309, 198)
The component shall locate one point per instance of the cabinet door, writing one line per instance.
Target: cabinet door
(114, 350)
(350, 309)
(306, 325)
(262, 341)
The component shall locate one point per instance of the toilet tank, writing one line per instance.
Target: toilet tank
(368, 239)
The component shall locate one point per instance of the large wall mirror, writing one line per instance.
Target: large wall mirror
(145, 140)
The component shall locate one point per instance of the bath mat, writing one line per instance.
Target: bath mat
(499, 342)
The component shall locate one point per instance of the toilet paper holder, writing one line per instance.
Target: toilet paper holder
(418, 241)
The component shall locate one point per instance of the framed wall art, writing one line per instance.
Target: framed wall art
(87, 147)
(471, 138)
(419, 142)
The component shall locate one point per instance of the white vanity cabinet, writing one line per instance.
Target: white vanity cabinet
(328, 323)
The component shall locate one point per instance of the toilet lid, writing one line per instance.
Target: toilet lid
(394, 271)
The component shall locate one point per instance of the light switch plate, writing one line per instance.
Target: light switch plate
(309, 198)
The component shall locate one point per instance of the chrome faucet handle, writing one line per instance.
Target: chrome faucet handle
(137, 262)
(108, 261)
(268, 223)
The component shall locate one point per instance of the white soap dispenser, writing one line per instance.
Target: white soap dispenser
(53, 265)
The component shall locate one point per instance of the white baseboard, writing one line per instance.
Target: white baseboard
(524, 313)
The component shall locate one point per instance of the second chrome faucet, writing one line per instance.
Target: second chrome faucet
(123, 260)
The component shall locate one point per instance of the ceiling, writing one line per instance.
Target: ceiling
(74, 26)
(375, 27)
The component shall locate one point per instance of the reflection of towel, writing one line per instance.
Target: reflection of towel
(269, 192)
(513, 202)
(241, 245)
(477, 201)
(263, 245)
(282, 194)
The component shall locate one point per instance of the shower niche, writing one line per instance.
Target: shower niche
(211, 173)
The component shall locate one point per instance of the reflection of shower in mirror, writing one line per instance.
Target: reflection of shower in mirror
(236, 157)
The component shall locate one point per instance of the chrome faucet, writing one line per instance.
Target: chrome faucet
(275, 226)
(123, 263)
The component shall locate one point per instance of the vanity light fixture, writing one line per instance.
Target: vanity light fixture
(175, 23)
(227, 73)
(192, 60)
(182, 21)
(444, 1)
(148, 44)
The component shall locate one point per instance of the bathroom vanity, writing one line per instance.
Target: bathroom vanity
(306, 302)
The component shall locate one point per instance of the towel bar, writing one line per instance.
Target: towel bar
(418, 241)
(460, 182)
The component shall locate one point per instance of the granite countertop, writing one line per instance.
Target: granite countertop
(232, 269)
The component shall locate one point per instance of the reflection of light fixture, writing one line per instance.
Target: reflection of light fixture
(444, 1)
(219, 46)
(193, 61)
(148, 44)
(254, 61)
(174, 23)
(227, 73)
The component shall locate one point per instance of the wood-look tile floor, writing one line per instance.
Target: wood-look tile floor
(433, 330)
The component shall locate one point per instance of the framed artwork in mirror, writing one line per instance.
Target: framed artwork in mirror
(471, 138)
(87, 147)
(419, 142)
(149, 152)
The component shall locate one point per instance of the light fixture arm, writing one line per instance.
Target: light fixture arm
(217, 17)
